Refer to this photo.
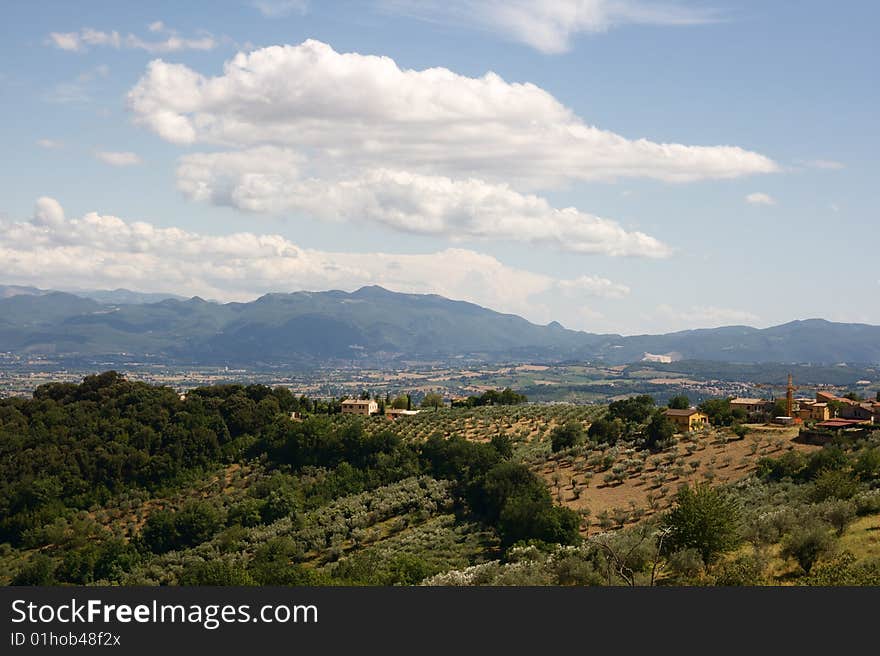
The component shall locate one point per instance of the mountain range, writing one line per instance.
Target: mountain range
(373, 326)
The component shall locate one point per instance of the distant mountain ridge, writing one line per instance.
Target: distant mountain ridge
(120, 295)
(373, 326)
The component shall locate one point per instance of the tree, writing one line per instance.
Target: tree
(566, 436)
(636, 409)
(840, 514)
(432, 400)
(835, 407)
(659, 432)
(524, 518)
(704, 519)
(503, 444)
(780, 408)
(400, 402)
(679, 402)
(807, 544)
(39, 571)
(166, 530)
(740, 431)
(720, 412)
(606, 430)
(867, 465)
(834, 484)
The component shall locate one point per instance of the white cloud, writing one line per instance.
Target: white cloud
(115, 158)
(549, 26)
(595, 286)
(66, 41)
(280, 8)
(80, 89)
(349, 136)
(50, 143)
(48, 212)
(268, 180)
(706, 316)
(352, 111)
(827, 164)
(101, 251)
(87, 36)
(760, 198)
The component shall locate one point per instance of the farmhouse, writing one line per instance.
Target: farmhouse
(751, 407)
(687, 420)
(364, 407)
(813, 411)
(849, 409)
(825, 397)
(858, 411)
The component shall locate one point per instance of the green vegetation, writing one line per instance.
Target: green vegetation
(704, 519)
(720, 413)
(679, 402)
(492, 397)
(310, 490)
(116, 482)
(566, 436)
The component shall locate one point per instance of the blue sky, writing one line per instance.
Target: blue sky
(631, 166)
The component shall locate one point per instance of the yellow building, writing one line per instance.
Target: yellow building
(751, 406)
(687, 420)
(359, 407)
(812, 411)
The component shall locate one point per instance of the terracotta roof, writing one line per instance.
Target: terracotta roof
(670, 412)
(840, 423)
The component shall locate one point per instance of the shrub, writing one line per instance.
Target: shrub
(215, 573)
(839, 514)
(867, 503)
(867, 464)
(686, 563)
(789, 465)
(834, 484)
(704, 519)
(39, 571)
(807, 544)
(844, 570)
(747, 569)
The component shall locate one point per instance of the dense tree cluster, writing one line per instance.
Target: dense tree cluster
(493, 397)
(720, 413)
(73, 447)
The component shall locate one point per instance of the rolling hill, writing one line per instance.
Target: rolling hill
(305, 328)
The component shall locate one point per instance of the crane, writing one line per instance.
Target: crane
(790, 389)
